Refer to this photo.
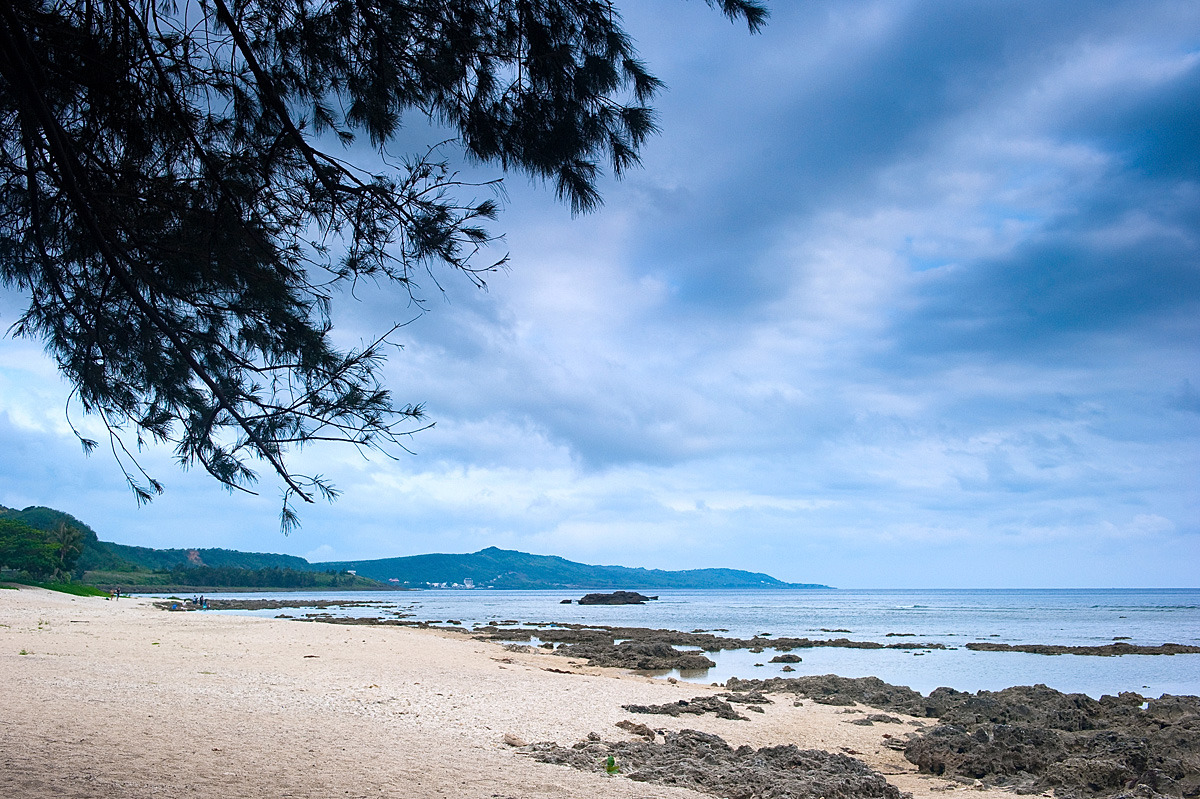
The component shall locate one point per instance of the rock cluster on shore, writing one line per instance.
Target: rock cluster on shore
(1037, 739)
(637, 655)
(830, 689)
(695, 707)
(1104, 650)
(706, 641)
(1034, 738)
(640, 645)
(705, 762)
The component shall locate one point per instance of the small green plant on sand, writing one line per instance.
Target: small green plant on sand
(24, 652)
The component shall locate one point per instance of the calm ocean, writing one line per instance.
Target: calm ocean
(949, 617)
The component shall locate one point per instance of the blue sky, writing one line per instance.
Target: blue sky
(906, 294)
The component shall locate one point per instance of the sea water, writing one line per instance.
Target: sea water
(952, 618)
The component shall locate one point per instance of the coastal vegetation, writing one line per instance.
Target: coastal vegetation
(26, 549)
(39, 550)
(39, 543)
(229, 578)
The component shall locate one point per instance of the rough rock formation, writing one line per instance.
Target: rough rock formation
(578, 633)
(637, 655)
(1034, 738)
(706, 763)
(697, 707)
(634, 728)
(1105, 650)
(829, 689)
(616, 598)
(751, 698)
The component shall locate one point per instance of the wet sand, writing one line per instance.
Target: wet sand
(120, 699)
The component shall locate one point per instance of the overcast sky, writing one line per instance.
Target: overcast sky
(907, 294)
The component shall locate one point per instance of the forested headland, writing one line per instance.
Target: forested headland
(49, 547)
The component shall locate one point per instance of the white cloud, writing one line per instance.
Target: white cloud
(803, 341)
(322, 553)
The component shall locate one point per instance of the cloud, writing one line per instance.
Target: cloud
(323, 553)
(902, 290)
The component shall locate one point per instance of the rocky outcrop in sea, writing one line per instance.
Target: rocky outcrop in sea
(616, 598)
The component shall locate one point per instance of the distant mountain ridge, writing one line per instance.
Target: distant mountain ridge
(488, 568)
(504, 568)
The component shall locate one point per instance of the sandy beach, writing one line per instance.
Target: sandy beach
(120, 699)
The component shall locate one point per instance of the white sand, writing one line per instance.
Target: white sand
(120, 699)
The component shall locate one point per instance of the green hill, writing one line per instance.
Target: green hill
(167, 559)
(502, 568)
(488, 568)
(110, 558)
(97, 555)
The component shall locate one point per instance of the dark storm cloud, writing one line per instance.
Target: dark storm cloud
(790, 146)
(1050, 297)
(1123, 260)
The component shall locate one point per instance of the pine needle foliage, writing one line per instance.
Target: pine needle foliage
(179, 206)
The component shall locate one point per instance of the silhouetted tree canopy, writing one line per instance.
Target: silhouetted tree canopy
(178, 206)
